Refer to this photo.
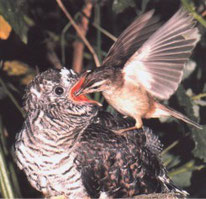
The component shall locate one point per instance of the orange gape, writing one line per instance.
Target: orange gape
(81, 98)
(75, 88)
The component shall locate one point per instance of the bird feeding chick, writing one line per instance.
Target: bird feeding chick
(144, 64)
(67, 147)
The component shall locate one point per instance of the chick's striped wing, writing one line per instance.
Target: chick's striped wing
(158, 64)
(131, 39)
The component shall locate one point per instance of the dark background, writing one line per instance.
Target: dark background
(41, 22)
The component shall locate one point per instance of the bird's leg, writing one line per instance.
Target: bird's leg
(138, 125)
(122, 131)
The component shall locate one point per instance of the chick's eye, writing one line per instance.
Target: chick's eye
(59, 90)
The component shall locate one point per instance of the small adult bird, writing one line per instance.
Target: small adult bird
(68, 148)
(144, 64)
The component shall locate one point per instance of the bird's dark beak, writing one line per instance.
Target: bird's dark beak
(79, 92)
(79, 86)
(82, 84)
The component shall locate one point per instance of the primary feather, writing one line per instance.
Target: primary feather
(158, 64)
(131, 39)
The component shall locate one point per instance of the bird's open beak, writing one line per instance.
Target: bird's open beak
(77, 93)
(80, 85)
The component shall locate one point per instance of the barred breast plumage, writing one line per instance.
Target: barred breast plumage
(48, 160)
(67, 147)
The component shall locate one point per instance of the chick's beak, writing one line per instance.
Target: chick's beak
(77, 93)
(82, 84)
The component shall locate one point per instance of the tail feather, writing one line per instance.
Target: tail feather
(169, 186)
(167, 111)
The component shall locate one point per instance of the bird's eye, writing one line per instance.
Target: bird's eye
(59, 90)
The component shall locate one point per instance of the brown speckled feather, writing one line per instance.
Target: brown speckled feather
(121, 166)
(68, 148)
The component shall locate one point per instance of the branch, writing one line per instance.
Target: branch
(6, 90)
(79, 45)
(199, 96)
(159, 196)
(52, 56)
(79, 32)
(105, 32)
(190, 6)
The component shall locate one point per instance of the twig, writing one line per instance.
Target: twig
(97, 19)
(7, 191)
(190, 6)
(65, 29)
(158, 196)
(79, 32)
(52, 56)
(11, 97)
(105, 32)
(5, 182)
(199, 96)
(189, 166)
(8, 181)
(169, 147)
(203, 13)
(79, 45)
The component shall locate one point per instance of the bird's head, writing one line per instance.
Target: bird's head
(52, 91)
(93, 81)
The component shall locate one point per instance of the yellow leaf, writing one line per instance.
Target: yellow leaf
(5, 28)
(27, 79)
(15, 68)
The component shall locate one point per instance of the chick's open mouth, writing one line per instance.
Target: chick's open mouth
(77, 96)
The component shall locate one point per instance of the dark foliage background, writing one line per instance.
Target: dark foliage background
(41, 37)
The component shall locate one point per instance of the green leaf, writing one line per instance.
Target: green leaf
(120, 5)
(5, 183)
(183, 179)
(2, 93)
(12, 12)
(182, 175)
(198, 135)
(185, 102)
(144, 5)
(170, 160)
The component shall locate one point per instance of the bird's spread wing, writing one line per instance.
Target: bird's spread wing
(131, 39)
(158, 64)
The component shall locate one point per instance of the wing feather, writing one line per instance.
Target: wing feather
(131, 39)
(158, 65)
